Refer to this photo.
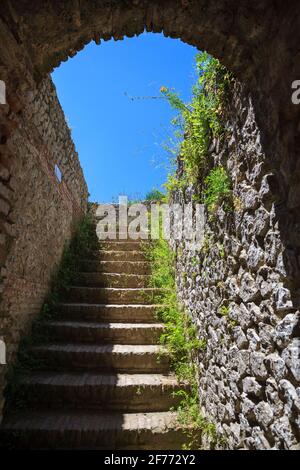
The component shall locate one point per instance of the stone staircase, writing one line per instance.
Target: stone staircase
(104, 381)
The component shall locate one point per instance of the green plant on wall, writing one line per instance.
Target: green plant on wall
(199, 121)
(217, 189)
(181, 340)
(155, 195)
(224, 311)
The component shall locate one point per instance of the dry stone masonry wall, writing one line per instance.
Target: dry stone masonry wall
(44, 210)
(239, 289)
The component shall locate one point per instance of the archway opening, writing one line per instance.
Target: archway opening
(119, 119)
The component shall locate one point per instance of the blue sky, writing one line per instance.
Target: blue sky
(119, 139)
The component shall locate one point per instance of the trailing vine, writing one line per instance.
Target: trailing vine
(197, 123)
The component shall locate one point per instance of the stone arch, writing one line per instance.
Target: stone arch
(228, 33)
(257, 41)
(239, 33)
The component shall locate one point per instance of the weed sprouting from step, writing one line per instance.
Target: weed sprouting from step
(183, 345)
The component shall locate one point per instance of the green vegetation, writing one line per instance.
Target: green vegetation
(221, 250)
(217, 189)
(196, 124)
(155, 195)
(183, 345)
(224, 311)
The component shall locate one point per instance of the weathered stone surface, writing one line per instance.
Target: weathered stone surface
(249, 290)
(282, 430)
(254, 339)
(273, 247)
(285, 330)
(260, 442)
(290, 395)
(238, 360)
(283, 299)
(249, 197)
(245, 317)
(255, 256)
(240, 337)
(276, 365)
(272, 395)
(266, 337)
(44, 213)
(291, 356)
(257, 365)
(252, 387)
(248, 407)
(264, 414)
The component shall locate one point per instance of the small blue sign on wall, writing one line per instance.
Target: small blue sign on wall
(58, 173)
(2, 92)
(2, 352)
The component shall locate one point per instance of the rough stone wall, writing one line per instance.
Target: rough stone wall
(240, 290)
(43, 210)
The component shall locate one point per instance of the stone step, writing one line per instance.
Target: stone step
(101, 224)
(121, 245)
(114, 255)
(100, 380)
(77, 429)
(109, 392)
(120, 267)
(118, 223)
(117, 211)
(116, 358)
(122, 207)
(121, 234)
(113, 280)
(93, 332)
(105, 313)
(112, 295)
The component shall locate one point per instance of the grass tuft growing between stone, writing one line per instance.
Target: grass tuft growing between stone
(182, 343)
